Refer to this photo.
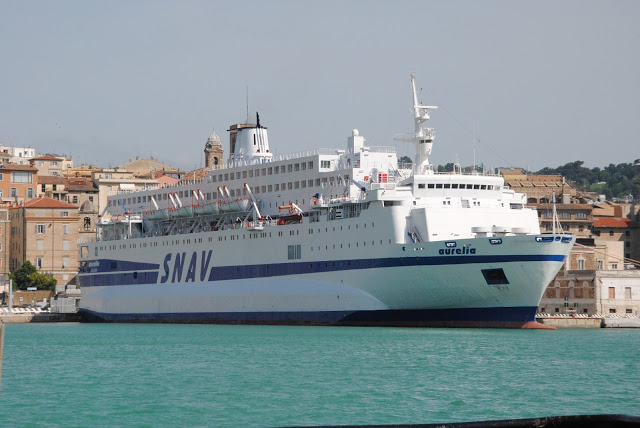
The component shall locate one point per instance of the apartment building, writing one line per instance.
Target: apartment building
(17, 183)
(51, 186)
(18, 155)
(45, 231)
(619, 229)
(52, 165)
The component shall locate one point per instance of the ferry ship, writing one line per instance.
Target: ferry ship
(326, 237)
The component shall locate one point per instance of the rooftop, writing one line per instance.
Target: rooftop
(46, 203)
(614, 222)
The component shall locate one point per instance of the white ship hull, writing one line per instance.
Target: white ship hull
(411, 284)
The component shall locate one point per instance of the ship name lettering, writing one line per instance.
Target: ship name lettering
(175, 272)
(453, 251)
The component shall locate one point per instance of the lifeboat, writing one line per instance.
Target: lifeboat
(206, 209)
(235, 206)
(157, 215)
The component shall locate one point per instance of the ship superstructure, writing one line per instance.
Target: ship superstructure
(329, 236)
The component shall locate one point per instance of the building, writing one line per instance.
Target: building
(52, 165)
(45, 232)
(576, 219)
(84, 193)
(213, 152)
(52, 186)
(82, 171)
(540, 189)
(147, 167)
(5, 158)
(18, 155)
(619, 229)
(111, 181)
(164, 179)
(578, 289)
(17, 183)
(5, 244)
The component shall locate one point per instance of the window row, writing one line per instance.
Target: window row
(300, 166)
(458, 186)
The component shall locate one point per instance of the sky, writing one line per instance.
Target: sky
(537, 83)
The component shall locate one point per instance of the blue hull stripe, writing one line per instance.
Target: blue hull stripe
(223, 273)
(513, 317)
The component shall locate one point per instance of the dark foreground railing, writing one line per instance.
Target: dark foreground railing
(578, 421)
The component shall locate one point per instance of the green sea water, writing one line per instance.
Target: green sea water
(243, 376)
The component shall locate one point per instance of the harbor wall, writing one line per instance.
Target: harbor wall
(572, 322)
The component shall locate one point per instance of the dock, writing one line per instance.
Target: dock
(22, 315)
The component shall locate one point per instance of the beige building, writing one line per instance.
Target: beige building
(213, 152)
(540, 189)
(576, 219)
(620, 229)
(111, 181)
(45, 232)
(148, 167)
(52, 186)
(84, 193)
(577, 288)
(52, 165)
(5, 244)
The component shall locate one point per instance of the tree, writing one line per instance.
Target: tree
(28, 276)
(43, 281)
(21, 276)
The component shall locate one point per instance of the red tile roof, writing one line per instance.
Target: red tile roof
(614, 222)
(16, 167)
(48, 157)
(50, 179)
(46, 203)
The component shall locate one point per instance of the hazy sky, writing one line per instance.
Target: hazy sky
(544, 82)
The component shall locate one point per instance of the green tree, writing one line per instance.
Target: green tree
(43, 281)
(21, 276)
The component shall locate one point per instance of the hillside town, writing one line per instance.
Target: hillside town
(48, 205)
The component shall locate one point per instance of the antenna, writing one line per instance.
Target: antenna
(474, 146)
(247, 104)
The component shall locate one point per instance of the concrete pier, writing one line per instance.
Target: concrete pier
(569, 322)
(14, 318)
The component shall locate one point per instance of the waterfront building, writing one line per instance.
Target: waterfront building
(5, 244)
(17, 183)
(45, 232)
(52, 165)
(620, 229)
(593, 281)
